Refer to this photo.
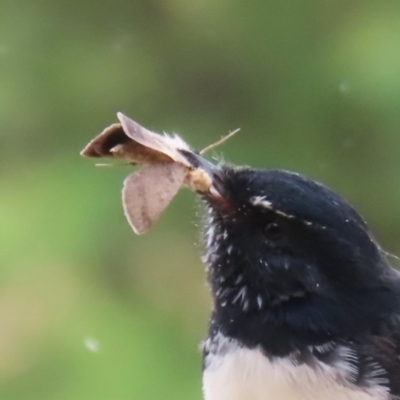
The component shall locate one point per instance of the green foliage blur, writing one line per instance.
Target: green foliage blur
(90, 311)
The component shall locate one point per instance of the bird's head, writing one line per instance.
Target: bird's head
(289, 255)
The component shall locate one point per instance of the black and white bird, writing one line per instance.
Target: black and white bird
(305, 304)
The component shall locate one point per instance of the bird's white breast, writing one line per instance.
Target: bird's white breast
(239, 373)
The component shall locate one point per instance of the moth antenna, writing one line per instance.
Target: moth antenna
(219, 142)
(111, 165)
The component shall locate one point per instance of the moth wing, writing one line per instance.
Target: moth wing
(164, 144)
(147, 193)
(100, 146)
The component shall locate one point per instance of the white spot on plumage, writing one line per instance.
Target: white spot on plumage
(240, 295)
(259, 301)
(286, 265)
(376, 374)
(323, 348)
(261, 201)
(210, 235)
(346, 364)
(239, 279)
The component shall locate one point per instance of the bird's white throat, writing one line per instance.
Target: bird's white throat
(233, 372)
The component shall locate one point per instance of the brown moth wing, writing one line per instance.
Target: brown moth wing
(168, 146)
(114, 143)
(100, 146)
(148, 192)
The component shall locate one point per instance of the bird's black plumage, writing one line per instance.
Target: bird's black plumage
(294, 270)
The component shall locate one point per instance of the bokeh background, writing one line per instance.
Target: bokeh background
(87, 309)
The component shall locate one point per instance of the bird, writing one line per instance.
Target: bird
(305, 305)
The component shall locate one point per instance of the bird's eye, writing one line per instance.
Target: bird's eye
(273, 231)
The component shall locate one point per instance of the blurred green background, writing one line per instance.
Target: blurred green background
(87, 309)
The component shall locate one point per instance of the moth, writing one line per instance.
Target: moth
(167, 163)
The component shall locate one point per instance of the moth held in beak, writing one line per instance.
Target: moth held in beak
(167, 164)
